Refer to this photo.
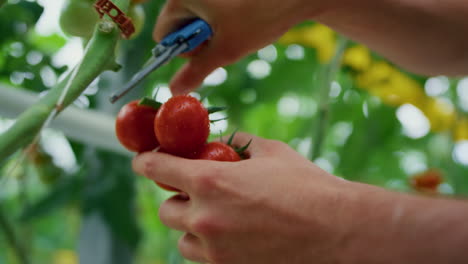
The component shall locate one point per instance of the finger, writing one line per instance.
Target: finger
(191, 248)
(174, 213)
(202, 63)
(172, 17)
(170, 170)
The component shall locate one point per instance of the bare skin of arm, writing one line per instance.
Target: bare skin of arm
(278, 207)
(424, 36)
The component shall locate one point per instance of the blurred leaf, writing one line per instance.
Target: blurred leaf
(109, 190)
(369, 135)
(47, 44)
(61, 195)
(98, 244)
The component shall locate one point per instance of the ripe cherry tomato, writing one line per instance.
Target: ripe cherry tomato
(427, 181)
(182, 126)
(218, 151)
(134, 127)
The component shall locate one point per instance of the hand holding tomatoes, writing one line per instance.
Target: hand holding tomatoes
(278, 207)
(239, 211)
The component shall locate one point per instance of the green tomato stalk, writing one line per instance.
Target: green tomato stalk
(98, 57)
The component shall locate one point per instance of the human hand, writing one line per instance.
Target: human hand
(275, 207)
(240, 27)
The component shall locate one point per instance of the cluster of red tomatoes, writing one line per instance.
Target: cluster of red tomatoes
(179, 127)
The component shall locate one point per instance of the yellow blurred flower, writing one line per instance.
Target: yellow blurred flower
(391, 85)
(291, 37)
(325, 52)
(357, 57)
(460, 130)
(316, 36)
(396, 95)
(378, 72)
(65, 256)
(440, 113)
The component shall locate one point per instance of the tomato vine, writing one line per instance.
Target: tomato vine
(98, 57)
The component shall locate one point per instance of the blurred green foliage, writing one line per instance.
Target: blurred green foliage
(100, 207)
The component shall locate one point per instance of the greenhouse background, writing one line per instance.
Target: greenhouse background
(73, 198)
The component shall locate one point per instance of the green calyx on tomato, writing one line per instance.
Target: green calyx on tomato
(242, 151)
(215, 109)
(146, 101)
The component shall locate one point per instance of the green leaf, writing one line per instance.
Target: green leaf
(61, 195)
(110, 191)
(47, 44)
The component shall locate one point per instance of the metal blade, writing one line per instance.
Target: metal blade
(152, 65)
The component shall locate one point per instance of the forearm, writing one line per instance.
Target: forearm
(396, 228)
(424, 36)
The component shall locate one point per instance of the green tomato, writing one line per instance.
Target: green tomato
(137, 14)
(79, 18)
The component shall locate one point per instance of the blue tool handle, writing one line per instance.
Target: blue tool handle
(193, 34)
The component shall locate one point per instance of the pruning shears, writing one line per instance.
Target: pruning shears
(183, 40)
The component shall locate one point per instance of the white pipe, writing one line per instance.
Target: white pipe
(87, 126)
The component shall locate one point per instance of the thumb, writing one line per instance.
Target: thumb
(172, 17)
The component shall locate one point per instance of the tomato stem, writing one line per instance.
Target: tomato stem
(328, 75)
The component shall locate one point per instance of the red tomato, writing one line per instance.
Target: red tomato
(427, 181)
(182, 126)
(134, 127)
(218, 151)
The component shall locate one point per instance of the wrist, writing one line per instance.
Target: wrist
(387, 227)
(371, 220)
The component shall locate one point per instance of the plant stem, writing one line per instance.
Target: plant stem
(329, 72)
(99, 57)
(12, 239)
